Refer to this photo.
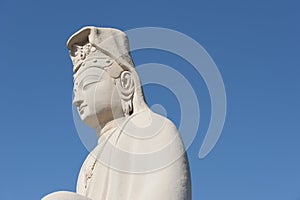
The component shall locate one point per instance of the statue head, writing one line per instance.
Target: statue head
(106, 85)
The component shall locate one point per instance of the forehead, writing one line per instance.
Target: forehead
(91, 71)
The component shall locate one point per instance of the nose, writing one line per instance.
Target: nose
(77, 101)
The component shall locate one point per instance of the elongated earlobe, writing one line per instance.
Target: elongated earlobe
(125, 86)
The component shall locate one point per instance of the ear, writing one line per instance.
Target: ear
(125, 86)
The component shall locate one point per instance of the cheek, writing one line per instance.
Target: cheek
(89, 97)
(103, 93)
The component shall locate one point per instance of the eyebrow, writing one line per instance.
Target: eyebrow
(86, 77)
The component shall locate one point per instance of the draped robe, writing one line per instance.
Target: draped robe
(128, 164)
(137, 175)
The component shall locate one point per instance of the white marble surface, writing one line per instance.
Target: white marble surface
(140, 155)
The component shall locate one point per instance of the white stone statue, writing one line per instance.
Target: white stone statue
(140, 155)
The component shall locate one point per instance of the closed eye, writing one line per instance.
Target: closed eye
(89, 83)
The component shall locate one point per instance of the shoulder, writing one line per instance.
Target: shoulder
(148, 123)
(150, 132)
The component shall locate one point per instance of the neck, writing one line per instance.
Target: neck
(106, 127)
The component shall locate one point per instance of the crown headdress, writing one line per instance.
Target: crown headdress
(93, 43)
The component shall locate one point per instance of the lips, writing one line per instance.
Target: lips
(81, 109)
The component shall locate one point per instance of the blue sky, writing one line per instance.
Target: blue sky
(255, 45)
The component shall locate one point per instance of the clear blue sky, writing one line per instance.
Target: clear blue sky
(255, 44)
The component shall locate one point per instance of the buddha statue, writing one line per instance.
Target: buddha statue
(140, 154)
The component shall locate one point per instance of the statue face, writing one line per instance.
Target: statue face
(96, 97)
